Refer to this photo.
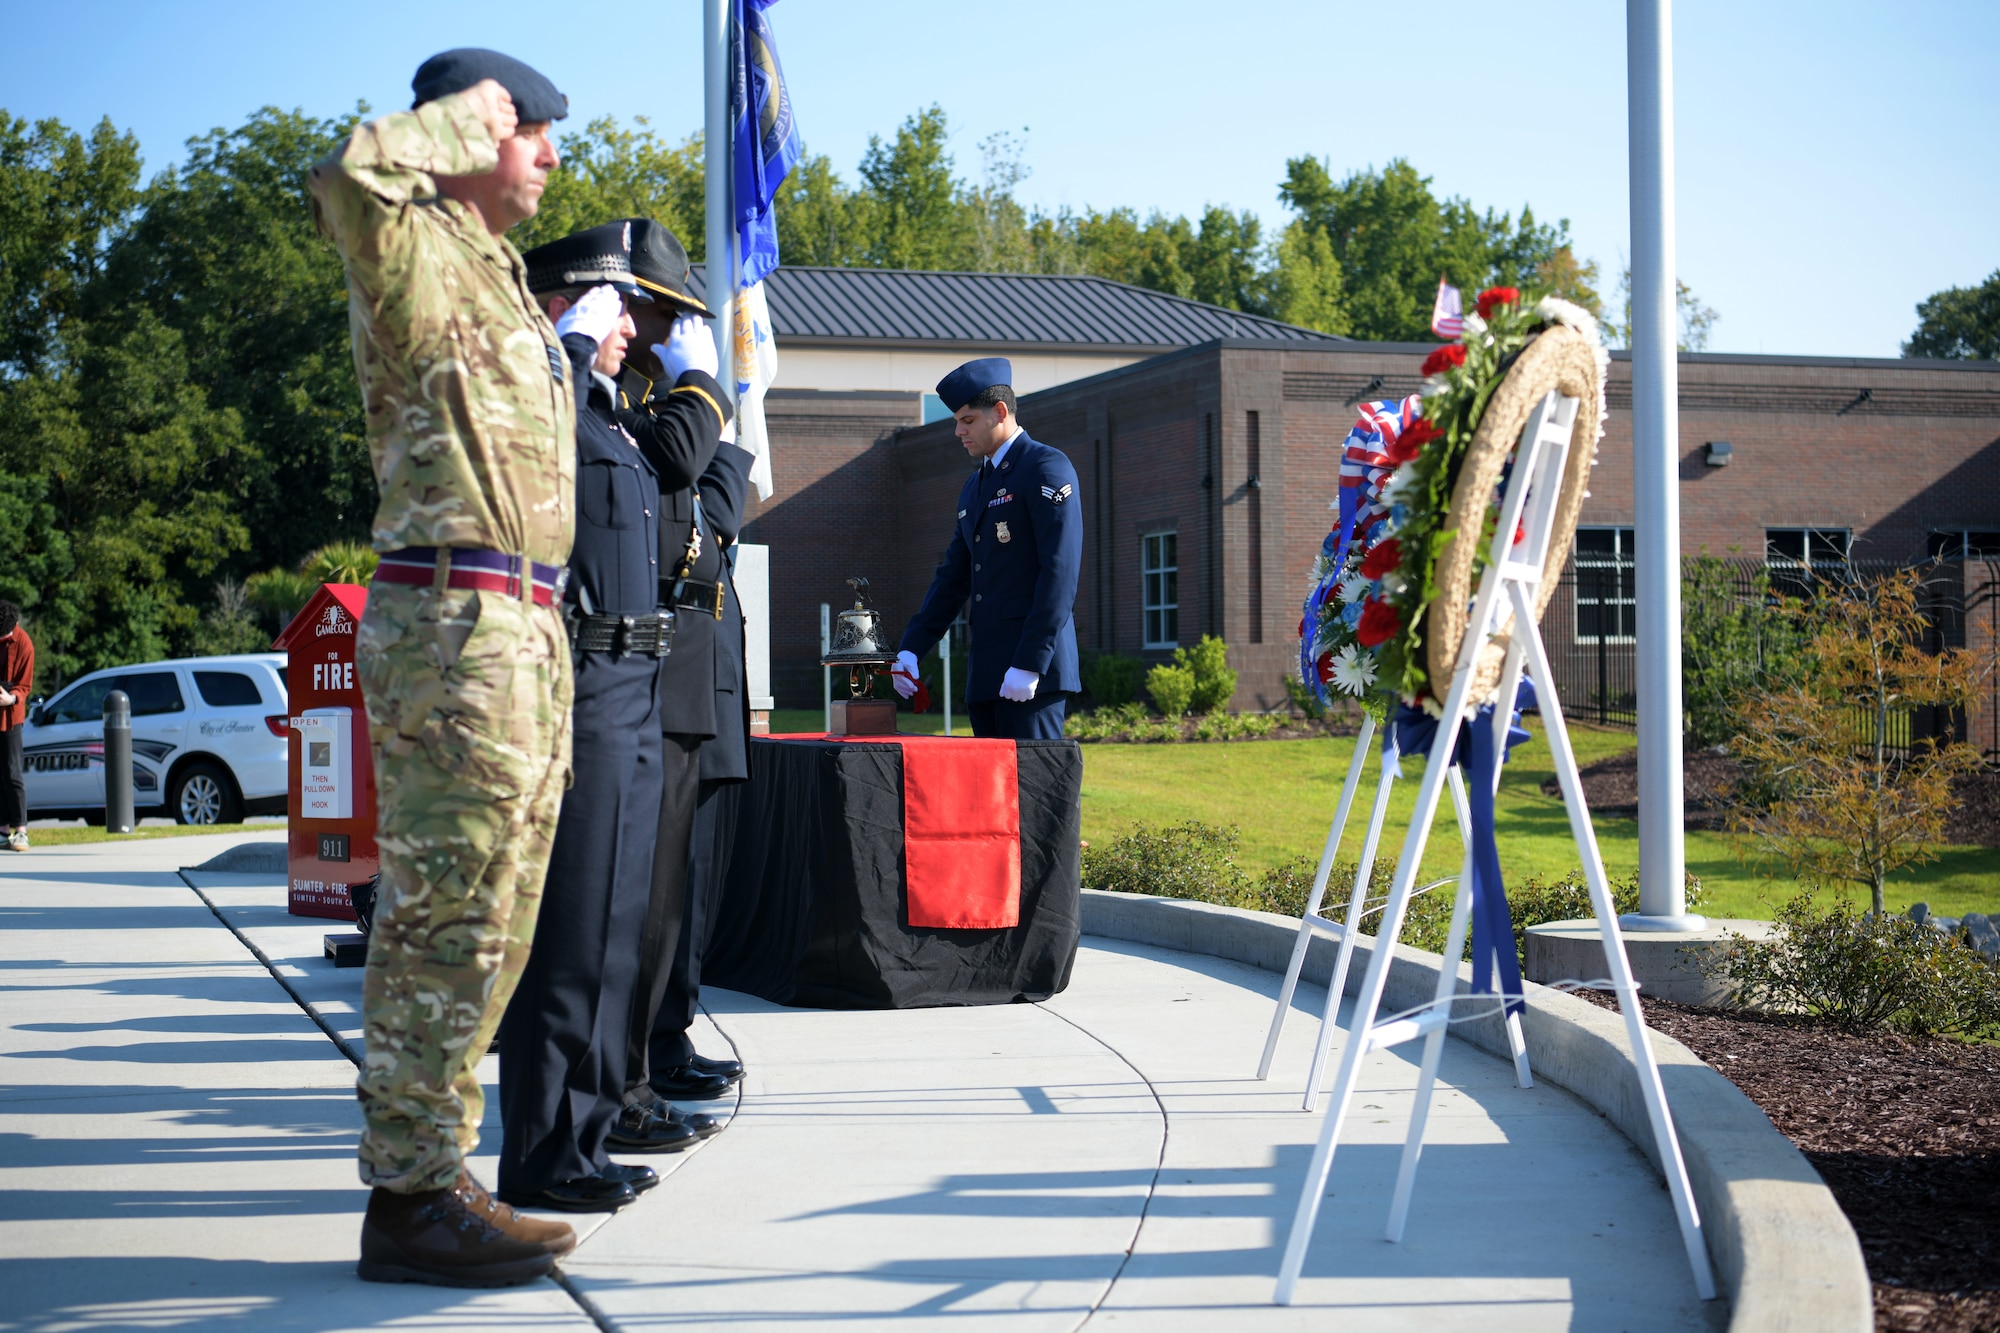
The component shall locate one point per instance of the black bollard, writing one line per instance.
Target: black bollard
(117, 762)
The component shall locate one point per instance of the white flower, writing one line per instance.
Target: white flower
(1558, 311)
(1475, 327)
(1353, 672)
(1352, 589)
(1402, 478)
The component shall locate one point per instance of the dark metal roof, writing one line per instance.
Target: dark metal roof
(1040, 311)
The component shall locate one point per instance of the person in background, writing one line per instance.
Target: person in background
(17, 684)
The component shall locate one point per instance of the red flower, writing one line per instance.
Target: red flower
(1496, 296)
(1324, 666)
(1448, 357)
(1381, 558)
(1379, 623)
(1414, 437)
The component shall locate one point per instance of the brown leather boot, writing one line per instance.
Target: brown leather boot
(555, 1237)
(436, 1237)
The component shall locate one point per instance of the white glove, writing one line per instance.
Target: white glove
(904, 674)
(1019, 685)
(690, 346)
(594, 315)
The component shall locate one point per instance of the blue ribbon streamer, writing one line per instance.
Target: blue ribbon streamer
(1412, 730)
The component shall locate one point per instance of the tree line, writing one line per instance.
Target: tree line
(181, 438)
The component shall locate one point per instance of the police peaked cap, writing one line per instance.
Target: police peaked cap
(974, 378)
(660, 263)
(585, 259)
(535, 98)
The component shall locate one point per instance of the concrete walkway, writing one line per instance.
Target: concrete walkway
(177, 1127)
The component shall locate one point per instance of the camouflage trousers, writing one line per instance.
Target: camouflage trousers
(469, 714)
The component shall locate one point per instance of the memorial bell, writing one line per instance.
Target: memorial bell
(856, 644)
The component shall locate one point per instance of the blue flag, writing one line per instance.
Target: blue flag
(765, 138)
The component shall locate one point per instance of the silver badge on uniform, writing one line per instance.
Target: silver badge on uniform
(1000, 532)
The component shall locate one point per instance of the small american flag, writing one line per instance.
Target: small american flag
(1448, 315)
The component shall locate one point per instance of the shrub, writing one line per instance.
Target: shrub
(1214, 682)
(1113, 722)
(1186, 860)
(1113, 679)
(1862, 971)
(1221, 726)
(1734, 640)
(1172, 688)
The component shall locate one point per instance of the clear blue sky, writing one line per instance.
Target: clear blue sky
(1838, 161)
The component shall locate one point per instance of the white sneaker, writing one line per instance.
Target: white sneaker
(18, 840)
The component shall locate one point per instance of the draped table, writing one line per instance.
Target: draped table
(845, 850)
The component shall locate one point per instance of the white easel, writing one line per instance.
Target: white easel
(1508, 586)
(1357, 909)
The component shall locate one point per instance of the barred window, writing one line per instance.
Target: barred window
(1606, 586)
(1159, 565)
(1963, 544)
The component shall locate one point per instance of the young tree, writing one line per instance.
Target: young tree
(1849, 808)
(1959, 322)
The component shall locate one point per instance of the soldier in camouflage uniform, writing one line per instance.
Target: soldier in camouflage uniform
(471, 425)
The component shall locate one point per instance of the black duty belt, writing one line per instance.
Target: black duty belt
(694, 595)
(650, 635)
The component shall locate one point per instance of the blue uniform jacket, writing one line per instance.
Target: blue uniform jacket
(1015, 551)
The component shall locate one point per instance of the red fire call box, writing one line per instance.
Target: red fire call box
(332, 805)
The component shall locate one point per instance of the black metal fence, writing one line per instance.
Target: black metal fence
(1589, 631)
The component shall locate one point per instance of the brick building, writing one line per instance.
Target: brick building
(1207, 468)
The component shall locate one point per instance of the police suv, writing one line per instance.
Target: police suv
(209, 741)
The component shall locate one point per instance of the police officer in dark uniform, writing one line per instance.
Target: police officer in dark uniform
(562, 1041)
(725, 765)
(1015, 550)
(694, 584)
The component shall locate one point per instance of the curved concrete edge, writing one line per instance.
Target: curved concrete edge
(1782, 1248)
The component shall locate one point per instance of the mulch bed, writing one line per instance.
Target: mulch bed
(1611, 786)
(1905, 1131)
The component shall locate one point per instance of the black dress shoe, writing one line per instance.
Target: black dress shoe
(704, 1126)
(688, 1084)
(640, 1178)
(729, 1069)
(586, 1194)
(637, 1129)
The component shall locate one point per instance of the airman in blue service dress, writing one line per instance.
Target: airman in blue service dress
(1015, 550)
(563, 1042)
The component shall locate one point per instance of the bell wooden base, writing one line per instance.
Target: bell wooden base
(862, 717)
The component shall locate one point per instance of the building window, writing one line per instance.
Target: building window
(1606, 586)
(1964, 544)
(1806, 547)
(1159, 566)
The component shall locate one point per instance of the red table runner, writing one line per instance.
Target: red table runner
(961, 829)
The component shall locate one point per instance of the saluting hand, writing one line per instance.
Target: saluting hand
(494, 106)
(690, 346)
(595, 314)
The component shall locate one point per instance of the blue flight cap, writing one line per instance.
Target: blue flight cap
(972, 379)
(536, 100)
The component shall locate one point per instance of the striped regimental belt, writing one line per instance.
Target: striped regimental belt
(650, 635)
(461, 567)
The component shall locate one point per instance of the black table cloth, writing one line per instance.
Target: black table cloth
(813, 907)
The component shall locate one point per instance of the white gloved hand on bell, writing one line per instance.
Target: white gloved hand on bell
(689, 346)
(903, 675)
(1019, 685)
(595, 314)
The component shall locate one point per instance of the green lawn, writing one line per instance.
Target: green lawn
(68, 834)
(1281, 794)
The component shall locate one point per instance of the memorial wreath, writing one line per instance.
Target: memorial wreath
(1393, 583)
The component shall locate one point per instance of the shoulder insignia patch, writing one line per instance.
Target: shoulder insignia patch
(1056, 494)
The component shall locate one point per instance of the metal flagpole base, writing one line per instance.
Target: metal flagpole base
(1640, 921)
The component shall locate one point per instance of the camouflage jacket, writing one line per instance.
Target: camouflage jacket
(471, 410)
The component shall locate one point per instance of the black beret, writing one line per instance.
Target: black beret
(585, 259)
(535, 98)
(660, 263)
(974, 378)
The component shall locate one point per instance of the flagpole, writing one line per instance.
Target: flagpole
(720, 231)
(1656, 469)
